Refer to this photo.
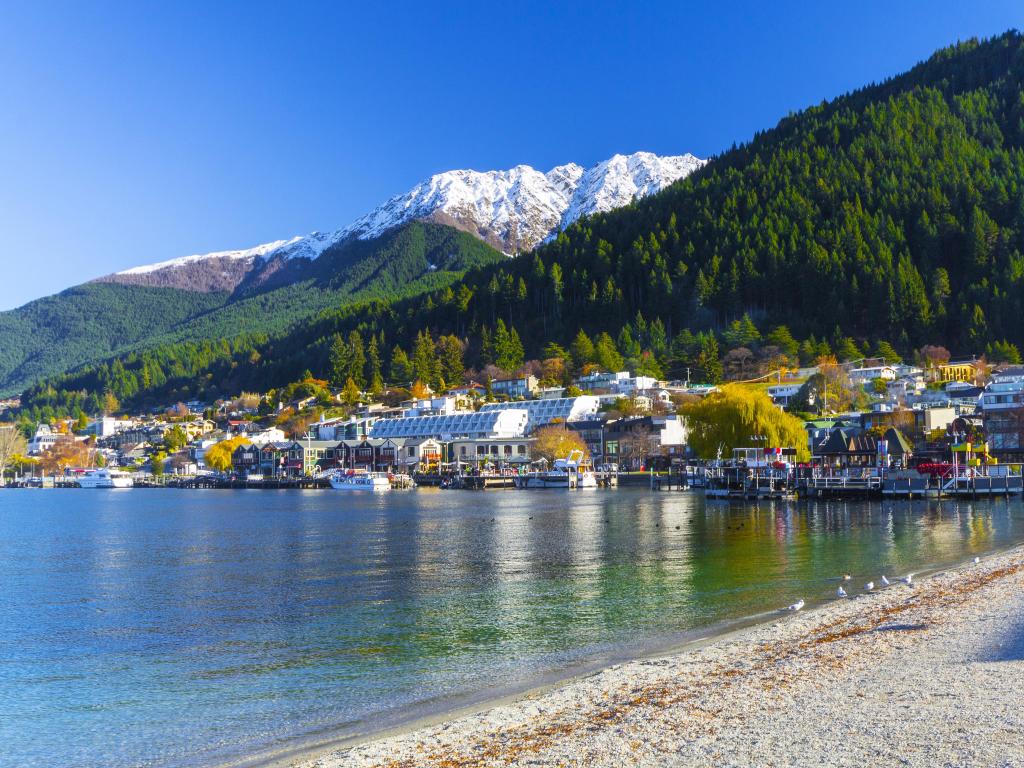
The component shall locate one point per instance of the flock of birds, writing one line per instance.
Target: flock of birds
(869, 587)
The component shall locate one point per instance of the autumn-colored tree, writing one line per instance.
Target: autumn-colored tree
(66, 453)
(419, 390)
(556, 442)
(734, 416)
(218, 457)
(12, 443)
(157, 460)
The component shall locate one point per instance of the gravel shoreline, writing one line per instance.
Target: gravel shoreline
(924, 675)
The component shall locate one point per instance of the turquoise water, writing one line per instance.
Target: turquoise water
(188, 628)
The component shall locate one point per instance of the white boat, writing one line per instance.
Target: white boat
(105, 478)
(360, 481)
(570, 472)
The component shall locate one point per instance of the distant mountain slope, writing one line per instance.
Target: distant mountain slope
(97, 320)
(511, 210)
(88, 323)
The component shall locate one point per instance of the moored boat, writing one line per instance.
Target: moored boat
(571, 472)
(105, 478)
(360, 481)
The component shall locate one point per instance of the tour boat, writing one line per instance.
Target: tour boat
(360, 481)
(105, 478)
(570, 472)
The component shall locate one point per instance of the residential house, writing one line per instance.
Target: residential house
(519, 387)
(43, 440)
(958, 370)
(781, 394)
(863, 376)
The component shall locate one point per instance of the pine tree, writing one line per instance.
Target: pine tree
(340, 361)
(606, 355)
(582, 350)
(373, 367)
(708, 361)
(401, 367)
(357, 359)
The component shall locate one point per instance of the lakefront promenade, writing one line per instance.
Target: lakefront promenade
(921, 675)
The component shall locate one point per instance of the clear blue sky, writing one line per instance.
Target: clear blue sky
(137, 132)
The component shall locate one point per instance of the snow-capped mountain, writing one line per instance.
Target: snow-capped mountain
(513, 210)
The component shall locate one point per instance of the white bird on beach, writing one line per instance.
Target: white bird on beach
(840, 592)
(796, 606)
(869, 586)
(908, 579)
(885, 581)
(977, 560)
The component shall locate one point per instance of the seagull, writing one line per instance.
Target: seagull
(977, 560)
(908, 579)
(840, 592)
(796, 606)
(885, 581)
(869, 586)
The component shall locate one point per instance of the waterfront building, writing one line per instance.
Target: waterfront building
(540, 413)
(493, 423)
(634, 442)
(592, 431)
(479, 451)
(421, 455)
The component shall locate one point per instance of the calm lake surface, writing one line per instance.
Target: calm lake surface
(189, 628)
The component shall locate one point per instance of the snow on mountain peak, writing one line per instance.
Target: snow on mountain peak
(513, 210)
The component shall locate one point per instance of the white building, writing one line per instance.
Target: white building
(781, 394)
(621, 382)
(863, 376)
(266, 436)
(544, 412)
(1004, 392)
(43, 440)
(495, 423)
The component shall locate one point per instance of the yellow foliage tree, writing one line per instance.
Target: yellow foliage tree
(556, 442)
(219, 456)
(734, 415)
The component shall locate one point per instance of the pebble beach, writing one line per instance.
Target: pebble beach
(930, 674)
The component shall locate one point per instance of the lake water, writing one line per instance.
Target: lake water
(189, 628)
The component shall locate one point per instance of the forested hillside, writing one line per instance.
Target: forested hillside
(96, 320)
(889, 217)
(88, 323)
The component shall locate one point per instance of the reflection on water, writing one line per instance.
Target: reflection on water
(176, 628)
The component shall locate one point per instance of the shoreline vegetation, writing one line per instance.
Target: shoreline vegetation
(924, 675)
